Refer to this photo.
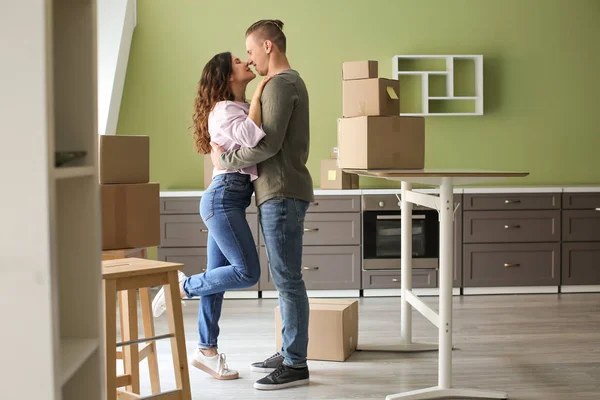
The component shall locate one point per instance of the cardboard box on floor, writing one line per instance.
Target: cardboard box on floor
(332, 329)
(130, 215)
(381, 143)
(360, 70)
(371, 97)
(335, 178)
(123, 159)
(208, 170)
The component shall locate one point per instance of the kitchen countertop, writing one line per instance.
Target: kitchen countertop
(457, 190)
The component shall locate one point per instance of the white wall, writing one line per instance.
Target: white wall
(116, 22)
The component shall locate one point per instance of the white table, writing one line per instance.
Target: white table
(445, 179)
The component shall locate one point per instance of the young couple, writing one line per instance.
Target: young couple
(260, 148)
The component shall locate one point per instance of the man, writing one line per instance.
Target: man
(283, 192)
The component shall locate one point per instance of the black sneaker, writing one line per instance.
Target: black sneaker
(283, 377)
(269, 365)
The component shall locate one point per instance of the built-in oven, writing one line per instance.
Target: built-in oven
(382, 234)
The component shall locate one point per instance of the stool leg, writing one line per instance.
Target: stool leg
(173, 303)
(149, 332)
(129, 329)
(110, 337)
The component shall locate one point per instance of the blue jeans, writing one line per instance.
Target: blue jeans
(232, 256)
(282, 224)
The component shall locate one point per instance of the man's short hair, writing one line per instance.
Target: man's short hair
(269, 29)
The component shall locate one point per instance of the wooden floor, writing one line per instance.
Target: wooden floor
(531, 346)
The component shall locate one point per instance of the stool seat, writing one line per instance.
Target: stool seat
(132, 266)
(124, 277)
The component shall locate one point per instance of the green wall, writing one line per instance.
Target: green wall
(541, 77)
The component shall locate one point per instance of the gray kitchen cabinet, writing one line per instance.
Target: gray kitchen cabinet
(190, 231)
(511, 264)
(193, 259)
(511, 226)
(190, 205)
(581, 201)
(332, 229)
(581, 239)
(512, 201)
(581, 226)
(581, 263)
(512, 239)
(323, 268)
(342, 203)
(378, 279)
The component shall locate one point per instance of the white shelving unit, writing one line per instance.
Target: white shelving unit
(50, 276)
(448, 72)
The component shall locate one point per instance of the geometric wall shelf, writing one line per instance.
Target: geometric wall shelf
(439, 85)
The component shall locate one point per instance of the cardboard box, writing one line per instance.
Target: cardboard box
(332, 329)
(371, 97)
(333, 177)
(123, 159)
(130, 215)
(360, 70)
(381, 143)
(208, 170)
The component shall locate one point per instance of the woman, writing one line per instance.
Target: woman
(222, 115)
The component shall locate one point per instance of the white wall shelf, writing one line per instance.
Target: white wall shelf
(73, 353)
(462, 73)
(53, 340)
(73, 172)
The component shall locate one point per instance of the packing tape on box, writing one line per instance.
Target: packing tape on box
(392, 93)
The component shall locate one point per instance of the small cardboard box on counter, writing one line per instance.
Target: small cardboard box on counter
(208, 170)
(360, 70)
(123, 159)
(130, 215)
(381, 143)
(332, 329)
(333, 177)
(370, 97)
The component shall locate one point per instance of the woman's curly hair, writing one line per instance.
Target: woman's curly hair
(212, 88)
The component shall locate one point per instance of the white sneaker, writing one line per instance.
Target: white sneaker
(158, 304)
(215, 366)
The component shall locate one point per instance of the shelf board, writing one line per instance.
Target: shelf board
(422, 72)
(73, 353)
(453, 98)
(438, 114)
(73, 172)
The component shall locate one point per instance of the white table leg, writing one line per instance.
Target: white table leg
(405, 344)
(444, 388)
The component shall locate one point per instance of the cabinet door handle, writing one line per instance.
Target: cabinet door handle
(395, 280)
(512, 201)
(512, 226)
(311, 229)
(511, 265)
(310, 268)
(315, 204)
(598, 209)
(204, 230)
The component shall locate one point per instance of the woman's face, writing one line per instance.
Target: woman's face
(241, 72)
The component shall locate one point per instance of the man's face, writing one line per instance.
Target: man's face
(257, 54)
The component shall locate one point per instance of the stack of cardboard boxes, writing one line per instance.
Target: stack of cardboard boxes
(130, 203)
(371, 134)
(333, 177)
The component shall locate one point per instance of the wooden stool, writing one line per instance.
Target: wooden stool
(127, 275)
(129, 327)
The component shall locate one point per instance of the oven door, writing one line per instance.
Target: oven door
(382, 238)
